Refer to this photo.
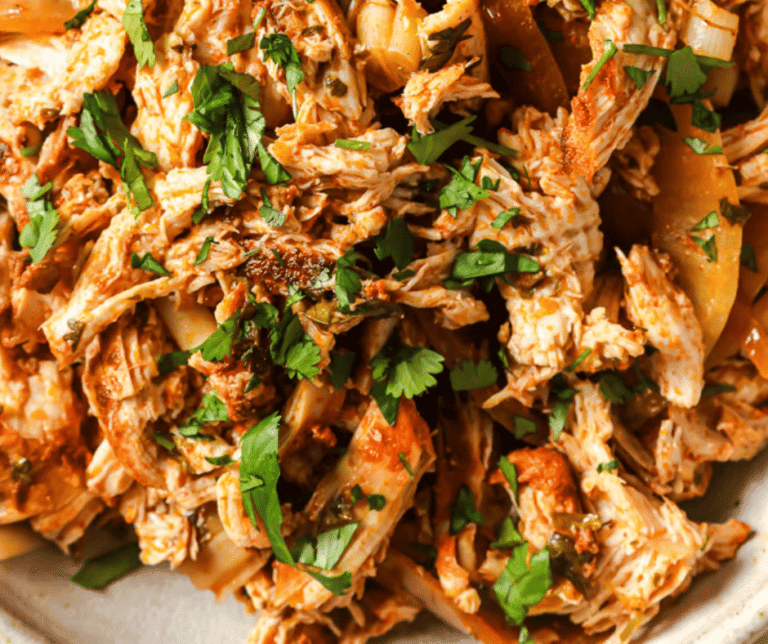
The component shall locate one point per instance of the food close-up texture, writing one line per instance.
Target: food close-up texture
(357, 309)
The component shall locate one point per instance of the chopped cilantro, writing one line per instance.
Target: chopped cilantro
(350, 144)
(718, 388)
(470, 375)
(407, 467)
(709, 246)
(258, 462)
(138, 34)
(241, 43)
(550, 34)
(463, 511)
(269, 214)
(699, 146)
(173, 88)
(168, 362)
(103, 134)
(99, 572)
(734, 213)
(279, 48)
(520, 587)
(445, 43)
(293, 349)
(428, 148)
(341, 367)
(748, 258)
(149, 264)
(525, 636)
(348, 282)
(711, 220)
(489, 184)
(609, 466)
(397, 243)
(408, 371)
(639, 76)
(510, 473)
(613, 389)
(589, 5)
(220, 461)
(489, 260)
(164, 440)
(564, 395)
(328, 547)
(205, 248)
(704, 118)
(40, 232)
(428, 551)
(579, 361)
(376, 502)
(507, 535)
(218, 345)
(609, 52)
(523, 426)
(504, 217)
(661, 8)
(462, 191)
(212, 410)
(77, 21)
(30, 151)
(684, 74)
(356, 494)
(512, 59)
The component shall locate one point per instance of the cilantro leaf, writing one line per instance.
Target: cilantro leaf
(269, 214)
(331, 545)
(30, 151)
(639, 76)
(341, 367)
(205, 248)
(348, 282)
(589, 5)
(470, 375)
(748, 258)
(718, 388)
(138, 34)
(77, 21)
(564, 395)
(519, 587)
(463, 511)
(408, 371)
(445, 43)
(397, 242)
(507, 536)
(33, 191)
(525, 636)
(489, 260)
(169, 361)
(428, 148)
(462, 191)
(579, 361)
(99, 572)
(164, 440)
(510, 473)
(173, 88)
(684, 74)
(613, 389)
(291, 348)
(220, 461)
(710, 220)
(350, 144)
(259, 459)
(734, 213)
(661, 8)
(376, 502)
(504, 217)
(699, 146)
(512, 59)
(709, 246)
(241, 43)
(148, 263)
(705, 118)
(212, 410)
(609, 52)
(407, 467)
(279, 48)
(610, 466)
(523, 426)
(40, 232)
(388, 405)
(218, 345)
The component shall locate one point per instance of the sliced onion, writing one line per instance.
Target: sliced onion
(710, 30)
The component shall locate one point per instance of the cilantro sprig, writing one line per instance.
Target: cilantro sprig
(398, 371)
(39, 234)
(259, 474)
(279, 48)
(103, 134)
(138, 34)
(519, 586)
(347, 283)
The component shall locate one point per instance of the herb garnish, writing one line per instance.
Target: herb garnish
(520, 587)
(39, 234)
(470, 375)
(463, 511)
(101, 571)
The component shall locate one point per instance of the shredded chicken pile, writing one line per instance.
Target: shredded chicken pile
(358, 309)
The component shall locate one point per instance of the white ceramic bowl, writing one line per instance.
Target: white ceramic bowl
(39, 604)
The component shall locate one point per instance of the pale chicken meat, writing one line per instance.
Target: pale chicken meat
(656, 304)
(325, 306)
